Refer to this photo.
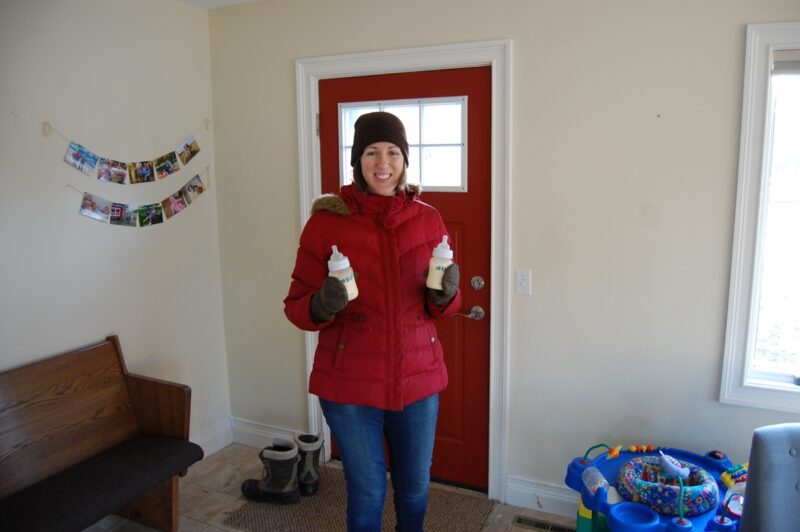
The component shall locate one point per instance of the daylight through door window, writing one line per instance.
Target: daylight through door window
(436, 129)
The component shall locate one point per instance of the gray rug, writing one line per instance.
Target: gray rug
(449, 509)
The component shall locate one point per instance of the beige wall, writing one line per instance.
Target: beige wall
(129, 80)
(625, 144)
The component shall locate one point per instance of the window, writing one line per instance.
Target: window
(761, 367)
(436, 132)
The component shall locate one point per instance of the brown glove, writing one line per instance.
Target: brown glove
(450, 278)
(330, 299)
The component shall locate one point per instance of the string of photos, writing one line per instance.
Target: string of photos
(116, 213)
(121, 173)
(114, 171)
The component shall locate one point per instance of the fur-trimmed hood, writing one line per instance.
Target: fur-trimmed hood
(331, 203)
(335, 204)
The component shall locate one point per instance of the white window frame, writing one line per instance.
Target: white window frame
(737, 386)
(345, 176)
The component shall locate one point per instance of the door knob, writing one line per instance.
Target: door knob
(477, 282)
(475, 313)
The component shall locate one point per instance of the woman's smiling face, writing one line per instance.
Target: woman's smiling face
(382, 166)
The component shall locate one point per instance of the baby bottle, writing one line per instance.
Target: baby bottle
(441, 259)
(593, 479)
(339, 267)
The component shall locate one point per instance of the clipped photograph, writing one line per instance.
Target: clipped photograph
(123, 214)
(174, 204)
(81, 158)
(112, 171)
(95, 207)
(192, 189)
(141, 172)
(188, 149)
(150, 214)
(166, 164)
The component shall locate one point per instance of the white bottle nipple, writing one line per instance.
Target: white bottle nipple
(337, 261)
(443, 250)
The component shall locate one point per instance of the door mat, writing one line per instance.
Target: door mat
(449, 510)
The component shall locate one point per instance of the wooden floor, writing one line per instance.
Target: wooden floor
(211, 490)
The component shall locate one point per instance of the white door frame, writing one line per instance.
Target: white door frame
(496, 54)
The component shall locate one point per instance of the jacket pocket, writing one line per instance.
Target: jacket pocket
(436, 348)
(432, 338)
(328, 356)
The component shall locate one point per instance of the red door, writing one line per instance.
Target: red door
(461, 452)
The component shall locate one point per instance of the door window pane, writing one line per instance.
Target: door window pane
(442, 164)
(412, 172)
(441, 123)
(345, 170)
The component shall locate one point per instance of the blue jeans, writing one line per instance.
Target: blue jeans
(359, 433)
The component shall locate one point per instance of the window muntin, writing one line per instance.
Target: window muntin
(436, 129)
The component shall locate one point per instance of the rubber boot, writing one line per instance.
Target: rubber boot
(279, 484)
(309, 447)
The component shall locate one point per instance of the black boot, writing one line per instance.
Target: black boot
(309, 447)
(280, 475)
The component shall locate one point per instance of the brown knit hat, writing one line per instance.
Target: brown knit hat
(378, 127)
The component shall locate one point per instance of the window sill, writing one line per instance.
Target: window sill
(770, 395)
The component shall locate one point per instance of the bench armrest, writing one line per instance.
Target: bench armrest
(162, 407)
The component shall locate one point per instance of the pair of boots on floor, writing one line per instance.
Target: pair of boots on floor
(290, 468)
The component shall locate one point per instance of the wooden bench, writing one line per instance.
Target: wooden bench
(81, 438)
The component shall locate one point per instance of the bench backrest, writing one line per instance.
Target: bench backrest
(59, 411)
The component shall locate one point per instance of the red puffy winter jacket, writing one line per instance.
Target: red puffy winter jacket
(382, 349)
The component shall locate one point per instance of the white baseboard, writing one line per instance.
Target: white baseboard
(214, 438)
(556, 500)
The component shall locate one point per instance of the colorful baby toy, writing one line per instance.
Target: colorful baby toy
(735, 474)
(653, 489)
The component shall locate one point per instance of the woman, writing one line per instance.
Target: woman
(378, 367)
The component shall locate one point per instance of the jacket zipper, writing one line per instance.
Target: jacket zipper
(391, 348)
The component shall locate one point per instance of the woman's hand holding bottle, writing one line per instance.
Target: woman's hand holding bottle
(331, 298)
(450, 279)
